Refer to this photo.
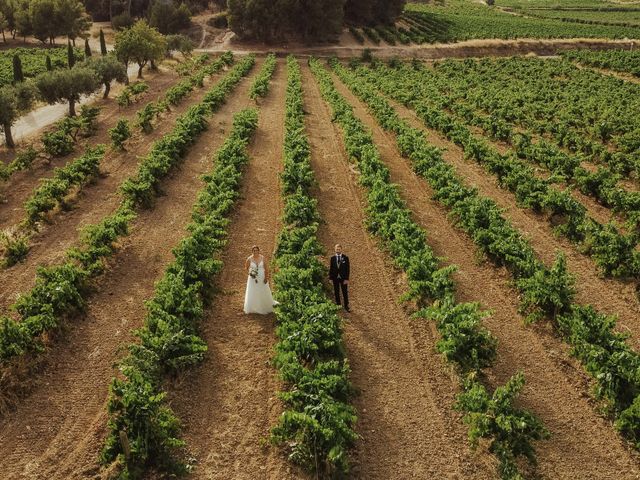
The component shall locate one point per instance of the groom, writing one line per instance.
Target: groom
(339, 275)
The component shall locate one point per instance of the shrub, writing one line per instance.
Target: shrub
(120, 133)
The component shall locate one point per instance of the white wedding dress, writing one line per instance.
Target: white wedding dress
(257, 297)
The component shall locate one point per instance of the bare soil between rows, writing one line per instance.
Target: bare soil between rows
(583, 444)
(58, 429)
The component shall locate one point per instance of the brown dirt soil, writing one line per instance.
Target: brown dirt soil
(608, 295)
(583, 444)
(470, 48)
(91, 204)
(228, 403)
(407, 426)
(58, 429)
(20, 186)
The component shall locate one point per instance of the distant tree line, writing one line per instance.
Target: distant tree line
(309, 19)
(44, 19)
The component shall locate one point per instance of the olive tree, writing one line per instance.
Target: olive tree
(108, 69)
(67, 85)
(14, 101)
(141, 44)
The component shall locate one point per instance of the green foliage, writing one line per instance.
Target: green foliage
(67, 85)
(458, 21)
(140, 44)
(168, 17)
(317, 425)
(180, 43)
(14, 101)
(108, 69)
(122, 22)
(23, 160)
(547, 292)
(463, 339)
(15, 247)
(625, 61)
(511, 430)
(604, 353)
(260, 86)
(18, 76)
(265, 20)
(62, 139)
(103, 44)
(132, 93)
(61, 289)
(33, 61)
(52, 191)
(168, 340)
(120, 134)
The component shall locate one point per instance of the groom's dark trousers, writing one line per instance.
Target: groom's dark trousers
(339, 270)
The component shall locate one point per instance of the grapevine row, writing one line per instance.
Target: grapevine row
(260, 86)
(464, 341)
(545, 292)
(80, 171)
(61, 290)
(602, 184)
(612, 251)
(143, 430)
(317, 425)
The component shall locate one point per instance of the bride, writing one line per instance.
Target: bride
(257, 297)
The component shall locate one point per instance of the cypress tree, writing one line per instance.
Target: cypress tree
(48, 63)
(17, 69)
(87, 48)
(71, 58)
(103, 43)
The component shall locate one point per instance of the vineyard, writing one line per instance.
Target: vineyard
(34, 61)
(490, 208)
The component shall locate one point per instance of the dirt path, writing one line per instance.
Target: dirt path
(94, 202)
(583, 444)
(228, 404)
(608, 295)
(405, 419)
(42, 117)
(469, 48)
(20, 186)
(57, 430)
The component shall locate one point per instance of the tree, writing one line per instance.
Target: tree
(108, 69)
(42, 14)
(4, 24)
(69, 18)
(67, 85)
(17, 69)
(168, 18)
(179, 43)
(14, 101)
(103, 43)
(141, 44)
(23, 20)
(48, 63)
(71, 56)
(87, 48)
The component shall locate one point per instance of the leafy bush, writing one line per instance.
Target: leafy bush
(260, 86)
(464, 341)
(132, 93)
(168, 339)
(317, 425)
(52, 191)
(511, 430)
(120, 134)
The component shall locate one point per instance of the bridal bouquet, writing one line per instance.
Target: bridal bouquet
(253, 273)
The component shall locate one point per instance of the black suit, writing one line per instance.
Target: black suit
(338, 273)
